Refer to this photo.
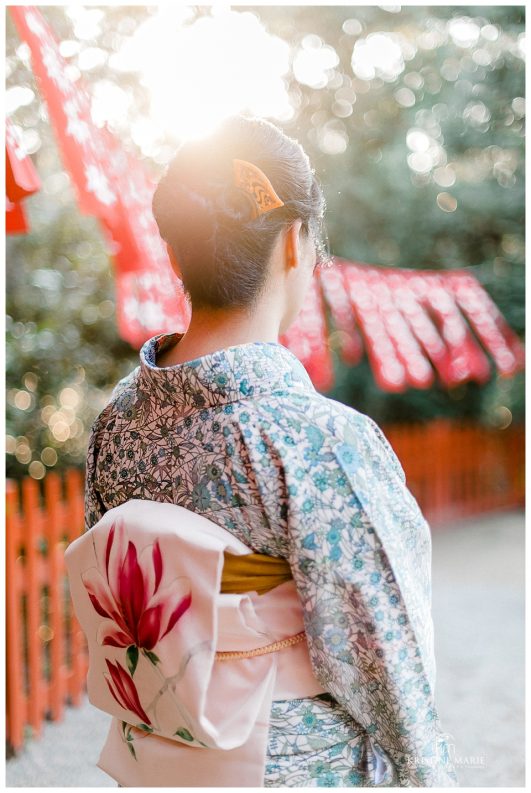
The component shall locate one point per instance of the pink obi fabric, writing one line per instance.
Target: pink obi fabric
(145, 585)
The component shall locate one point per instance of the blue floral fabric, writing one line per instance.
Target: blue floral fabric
(242, 436)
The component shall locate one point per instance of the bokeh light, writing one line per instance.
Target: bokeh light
(49, 456)
(381, 55)
(244, 68)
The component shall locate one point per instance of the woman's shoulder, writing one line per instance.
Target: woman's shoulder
(310, 408)
(125, 384)
(338, 419)
(351, 431)
(121, 393)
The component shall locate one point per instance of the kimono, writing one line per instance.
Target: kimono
(242, 437)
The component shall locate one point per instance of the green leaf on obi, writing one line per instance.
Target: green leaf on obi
(152, 657)
(145, 727)
(132, 749)
(132, 658)
(184, 734)
(124, 725)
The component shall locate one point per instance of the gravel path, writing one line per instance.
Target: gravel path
(478, 609)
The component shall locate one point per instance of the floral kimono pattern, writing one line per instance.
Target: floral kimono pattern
(242, 437)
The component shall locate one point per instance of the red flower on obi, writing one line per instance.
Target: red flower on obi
(129, 594)
(124, 690)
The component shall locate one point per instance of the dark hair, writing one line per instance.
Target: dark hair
(222, 251)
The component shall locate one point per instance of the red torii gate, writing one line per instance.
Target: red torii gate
(414, 324)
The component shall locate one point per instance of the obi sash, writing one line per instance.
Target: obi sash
(187, 670)
(254, 571)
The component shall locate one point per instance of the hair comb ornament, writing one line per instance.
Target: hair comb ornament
(255, 184)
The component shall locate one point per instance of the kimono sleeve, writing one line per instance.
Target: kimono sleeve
(94, 506)
(361, 561)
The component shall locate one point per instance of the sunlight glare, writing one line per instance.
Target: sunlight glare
(198, 73)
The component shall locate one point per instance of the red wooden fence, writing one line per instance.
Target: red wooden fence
(456, 469)
(46, 660)
(453, 470)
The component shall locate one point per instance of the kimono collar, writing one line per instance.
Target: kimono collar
(226, 375)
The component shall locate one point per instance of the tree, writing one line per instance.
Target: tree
(415, 124)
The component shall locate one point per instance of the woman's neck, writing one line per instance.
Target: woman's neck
(212, 330)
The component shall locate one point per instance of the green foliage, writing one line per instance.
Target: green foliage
(63, 352)
(382, 212)
(467, 210)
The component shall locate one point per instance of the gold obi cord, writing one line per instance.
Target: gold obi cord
(253, 572)
(230, 655)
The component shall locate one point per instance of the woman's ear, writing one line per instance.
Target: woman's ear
(292, 243)
(174, 262)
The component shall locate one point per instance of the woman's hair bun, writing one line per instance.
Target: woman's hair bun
(233, 204)
(211, 223)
